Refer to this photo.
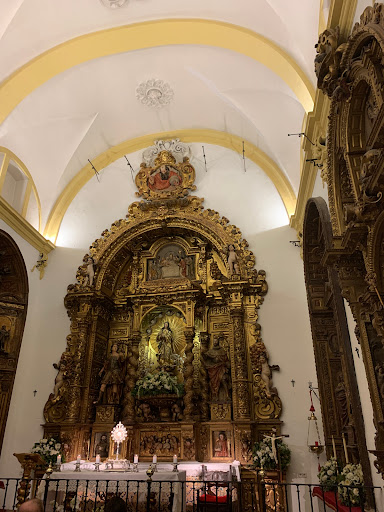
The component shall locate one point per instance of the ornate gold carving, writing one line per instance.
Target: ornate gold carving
(126, 298)
(327, 61)
(105, 413)
(188, 375)
(220, 412)
(166, 179)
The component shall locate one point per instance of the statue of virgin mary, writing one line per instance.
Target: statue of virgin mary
(165, 345)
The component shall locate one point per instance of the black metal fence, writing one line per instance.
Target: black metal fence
(70, 495)
(77, 495)
(291, 497)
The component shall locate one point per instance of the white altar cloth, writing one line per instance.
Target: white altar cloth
(193, 469)
(89, 485)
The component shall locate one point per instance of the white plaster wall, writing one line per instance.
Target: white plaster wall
(320, 189)
(44, 340)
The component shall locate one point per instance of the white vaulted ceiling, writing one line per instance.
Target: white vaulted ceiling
(60, 112)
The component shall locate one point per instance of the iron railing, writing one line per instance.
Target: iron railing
(69, 495)
(81, 495)
(292, 497)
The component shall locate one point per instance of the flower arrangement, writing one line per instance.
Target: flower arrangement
(159, 383)
(49, 449)
(352, 475)
(263, 455)
(329, 474)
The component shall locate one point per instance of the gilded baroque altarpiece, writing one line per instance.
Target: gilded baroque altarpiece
(167, 295)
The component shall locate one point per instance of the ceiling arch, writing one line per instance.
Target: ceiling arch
(224, 139)
(151, 34)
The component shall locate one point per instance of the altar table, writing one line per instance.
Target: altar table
(89, 487)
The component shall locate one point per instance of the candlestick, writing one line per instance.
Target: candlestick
(58, 460)
(345, 449)
(58, 463)
(175, 459)
(334, 447)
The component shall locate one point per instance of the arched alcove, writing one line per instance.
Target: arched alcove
(339, 394)
(13, 311)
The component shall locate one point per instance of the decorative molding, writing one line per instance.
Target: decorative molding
(224, 139)
(341, 14)
(113, 4)
(178, 149)
(153, 34)
(23, 228)
(154, 93)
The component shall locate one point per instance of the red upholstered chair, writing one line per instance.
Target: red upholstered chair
(216, 494)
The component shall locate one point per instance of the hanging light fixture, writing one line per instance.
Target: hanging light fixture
(313, 438)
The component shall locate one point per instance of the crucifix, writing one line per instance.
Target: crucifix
(273, 439)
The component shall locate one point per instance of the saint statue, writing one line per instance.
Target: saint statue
(218, 367)
(221, 446)
(113, 376)
(165, 345)
(4, 336)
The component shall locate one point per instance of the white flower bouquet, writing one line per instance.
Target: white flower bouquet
(160, 383)
(263, 455)
(350, 488)
(329, 474)
(49, 449)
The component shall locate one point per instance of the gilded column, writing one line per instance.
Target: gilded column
(241, 402)
(204, 339)
(129, 412)
(189, 334)
(80, 321)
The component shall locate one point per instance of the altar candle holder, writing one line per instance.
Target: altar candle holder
(135, 467)
(97, 466)
(175, 470)
(77, 467)
(154, 467)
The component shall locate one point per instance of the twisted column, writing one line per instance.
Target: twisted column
(204, 394)
(129, 414)
(188, 375)
(241, 402)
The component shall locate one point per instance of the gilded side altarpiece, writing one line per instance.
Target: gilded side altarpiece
(167, 297)
(350, 73)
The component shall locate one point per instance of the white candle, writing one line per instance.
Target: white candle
(135, 459)
(154, 460)
(78, 458)
(334, 447)
(345, 450)
(175, 459)
(58, 460)
(97, 459)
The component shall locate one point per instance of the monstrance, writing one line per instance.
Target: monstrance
(118, 434)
